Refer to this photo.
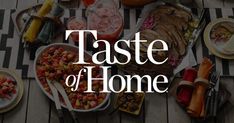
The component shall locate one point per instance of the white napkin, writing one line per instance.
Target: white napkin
(188, 61)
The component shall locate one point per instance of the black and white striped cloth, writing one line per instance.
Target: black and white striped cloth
(14, 56)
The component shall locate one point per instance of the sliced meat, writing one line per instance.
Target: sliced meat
(175, 25)
(158, 34)
(152, 69)
(146, 35)
(149, 69)
(174, 52)
(150, 36)
(174, 10)
(181, 13)
(164, 9)
(166, 36)
(181, 45)
(170, 19)
(169, 33)
(168, 23)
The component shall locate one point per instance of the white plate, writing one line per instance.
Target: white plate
(5, 104)
(100, 107)
(217, 49)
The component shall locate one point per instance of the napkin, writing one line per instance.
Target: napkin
(196, 105)
(48, 29)
(34, 28)
(188, 61)
(185, 88)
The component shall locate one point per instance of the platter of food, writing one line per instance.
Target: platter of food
(8, 90)
(175, 25)
(55, 62)
(219, 37)
(130, 102)
(11, 90)
(20, 17)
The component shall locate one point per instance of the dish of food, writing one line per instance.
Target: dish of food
(105, 18)
(20, 17)
(222, 32)
(130, 102)
(170, 23)
(55, 63)
(8, 90)
(7, 87)
(76, 24)
(11, 90)
(219, 37)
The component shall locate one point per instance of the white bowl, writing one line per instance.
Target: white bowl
(73, 48)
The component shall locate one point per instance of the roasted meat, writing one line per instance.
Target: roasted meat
(170, 24)
(181, 13)
(165, 9)
(180, 23)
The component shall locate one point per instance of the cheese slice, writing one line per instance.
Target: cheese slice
(229, 46)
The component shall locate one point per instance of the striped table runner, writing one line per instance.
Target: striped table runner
(14, 56)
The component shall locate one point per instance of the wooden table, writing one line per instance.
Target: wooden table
(35, 107)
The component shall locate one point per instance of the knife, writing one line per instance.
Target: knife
(208, 108)
(195, 35)
(57, 101)
(61, 90)
(216, 88)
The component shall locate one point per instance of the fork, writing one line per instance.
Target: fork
(210, 100)
(216, 94)
(56, 88)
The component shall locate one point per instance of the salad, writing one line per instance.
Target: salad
(55, 64)
(7, 87)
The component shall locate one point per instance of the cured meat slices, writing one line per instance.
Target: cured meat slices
(169, 23)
